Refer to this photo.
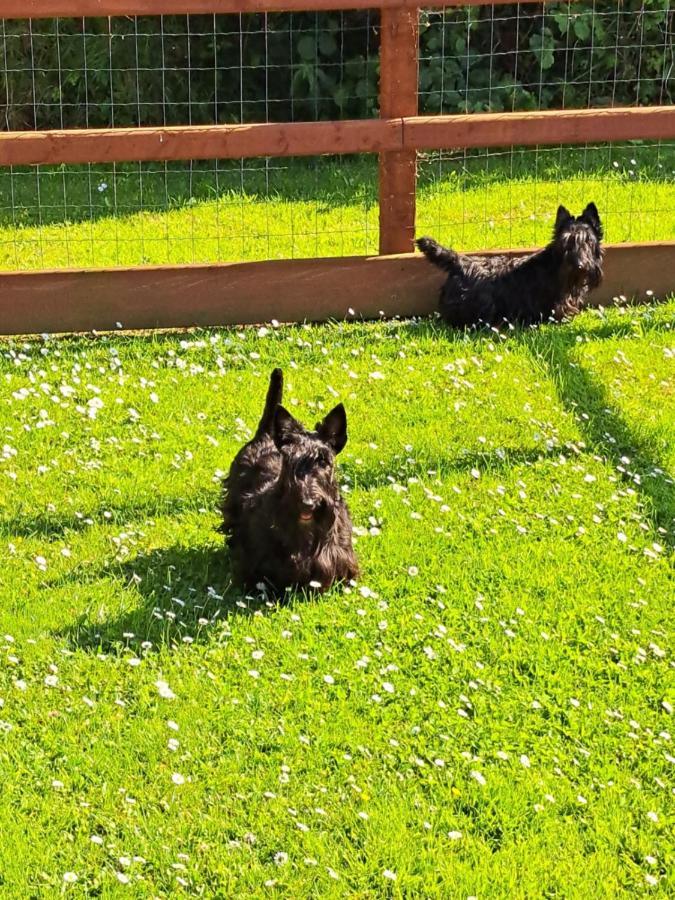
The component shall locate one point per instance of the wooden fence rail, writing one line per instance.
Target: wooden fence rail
(357, 287)
(48, 9)
(396, 136)
(387, 136)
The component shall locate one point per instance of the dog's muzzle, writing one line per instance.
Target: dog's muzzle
(307, 513)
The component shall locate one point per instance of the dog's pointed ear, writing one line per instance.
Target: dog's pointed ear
(591, 217)
(283, 426)
(333, 429)
(562, 219)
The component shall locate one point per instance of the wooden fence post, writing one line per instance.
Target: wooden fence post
(399, 40)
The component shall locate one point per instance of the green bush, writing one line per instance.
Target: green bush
(572, 56)
(308, 66)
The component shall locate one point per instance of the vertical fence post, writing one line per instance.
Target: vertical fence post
(399, 40)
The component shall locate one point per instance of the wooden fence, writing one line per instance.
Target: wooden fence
(395, 283)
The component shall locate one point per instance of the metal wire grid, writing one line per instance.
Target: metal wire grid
(198, 69)
(500, 198)
(185, 70)
(215, 210)
(178, 70)
(555, 56)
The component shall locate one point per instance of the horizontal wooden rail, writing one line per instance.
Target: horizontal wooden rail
(99, 145)
(46, 9)
(287, 290)
(547, 127)
(107, 145)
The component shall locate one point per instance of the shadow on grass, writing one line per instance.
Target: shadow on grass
(181, 592)
(606, 431)
(83, 193)
(79, 193)
(398, 468)
(53, 526)
(427, 327)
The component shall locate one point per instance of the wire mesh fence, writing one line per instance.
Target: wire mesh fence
(550, 56)
(171, 70)
(188, 70)
(218, 210)
(257, 209)
(547, 56)
(508, 197)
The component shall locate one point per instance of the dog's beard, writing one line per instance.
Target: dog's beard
(297, 522)
(595, 276)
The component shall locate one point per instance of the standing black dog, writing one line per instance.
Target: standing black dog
(286, 522)
(550, 285)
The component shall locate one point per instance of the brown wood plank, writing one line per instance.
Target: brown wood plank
(349, 136)
(313, 290)
(99, 145)
(44, 9)
(399, 44)
(549, 127)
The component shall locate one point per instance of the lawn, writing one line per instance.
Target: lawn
(249, 209)
(487, 713)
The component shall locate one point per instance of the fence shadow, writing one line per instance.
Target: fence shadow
(605, 429)
(489, 463)
(182, 593)
(70, 194)
(73, 194)
(53, 526)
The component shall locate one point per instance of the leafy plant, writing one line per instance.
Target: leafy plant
(202, 69)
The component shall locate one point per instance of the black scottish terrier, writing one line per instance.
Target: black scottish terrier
(286, 522)
(550, 285)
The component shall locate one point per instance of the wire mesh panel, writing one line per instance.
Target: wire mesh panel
(218, 210)
(573, 55)
(203, 70)
(501, 198)
(576, 55)
(187, 70)
(180, 70)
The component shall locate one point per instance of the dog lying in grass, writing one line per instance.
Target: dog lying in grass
(286, 522)
(550, 285)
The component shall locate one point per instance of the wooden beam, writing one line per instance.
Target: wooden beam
(99, 145)
(104, 145)
(46, 9)
(568, 126)
(399, 44)
(286, 290)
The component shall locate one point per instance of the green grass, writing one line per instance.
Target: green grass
(134, 215)
(514, 502)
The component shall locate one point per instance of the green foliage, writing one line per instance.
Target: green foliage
(318, 66)
(177, 70)
(570, 56)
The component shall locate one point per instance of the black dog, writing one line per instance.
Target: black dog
(551, 284)
(286, 522)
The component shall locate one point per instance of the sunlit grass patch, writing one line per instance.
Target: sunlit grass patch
(254, 210)
(488, 712)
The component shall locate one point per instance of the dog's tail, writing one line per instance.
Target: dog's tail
(273, 399)
(445, 259)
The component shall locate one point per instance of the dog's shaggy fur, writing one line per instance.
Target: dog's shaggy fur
(286, 522)
(550, 285)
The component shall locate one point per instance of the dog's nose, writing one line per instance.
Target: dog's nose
(306, 511)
